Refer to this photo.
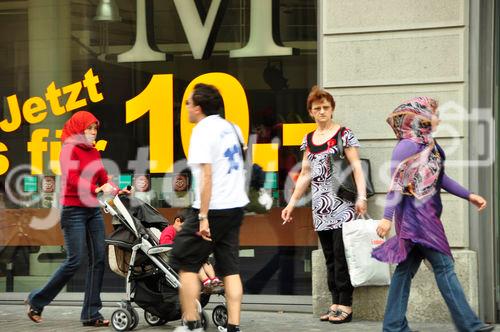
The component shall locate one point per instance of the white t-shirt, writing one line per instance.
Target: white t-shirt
(213, 141)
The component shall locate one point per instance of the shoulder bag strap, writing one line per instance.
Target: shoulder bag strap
(242, 146)
(308, 139)
(340, 145)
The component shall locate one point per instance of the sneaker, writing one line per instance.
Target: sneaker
(184, 328)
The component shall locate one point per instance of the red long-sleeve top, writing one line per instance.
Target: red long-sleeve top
(168, 235)
(82, 173)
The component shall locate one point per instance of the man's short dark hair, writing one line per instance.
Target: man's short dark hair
(208, 98)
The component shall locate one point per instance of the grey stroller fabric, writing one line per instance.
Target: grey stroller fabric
(148, 215)
(150, 289)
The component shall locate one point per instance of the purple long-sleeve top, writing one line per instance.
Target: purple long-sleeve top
(406, 149)
(417, 221)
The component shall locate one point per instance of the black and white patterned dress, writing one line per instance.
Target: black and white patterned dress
(329, 211)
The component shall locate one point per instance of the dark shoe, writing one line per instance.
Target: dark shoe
(217, 283)
(486, 328)
(218, 290)
(207, 289)
(97, 323)
(33, 314)
(344, 317)
(326, 316)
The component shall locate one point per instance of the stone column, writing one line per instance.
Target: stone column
(372, 56)
(49, 24)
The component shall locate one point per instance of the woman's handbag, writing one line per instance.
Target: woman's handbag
(344, 184)
(360, 238)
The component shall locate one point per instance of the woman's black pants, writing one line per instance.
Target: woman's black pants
(339, 281)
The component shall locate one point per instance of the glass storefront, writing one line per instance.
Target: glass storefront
(130, 65)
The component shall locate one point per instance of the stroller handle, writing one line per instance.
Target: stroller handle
(101, 196)
(116, 208)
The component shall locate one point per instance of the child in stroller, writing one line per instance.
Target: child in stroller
(211, 283)
(135, 253)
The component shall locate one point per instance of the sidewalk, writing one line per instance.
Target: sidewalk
(66, 318)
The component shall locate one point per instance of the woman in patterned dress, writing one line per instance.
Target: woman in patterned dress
(329, 210)
(414, 203)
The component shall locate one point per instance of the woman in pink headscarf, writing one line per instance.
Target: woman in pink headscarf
(83, 176)
(414, 203)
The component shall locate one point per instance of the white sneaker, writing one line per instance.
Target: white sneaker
(184, 328)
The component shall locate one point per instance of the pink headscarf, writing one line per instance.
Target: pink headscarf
(412, 120)
(418, 174)
(74, 128)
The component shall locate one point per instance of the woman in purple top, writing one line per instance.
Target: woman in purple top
(414, 202)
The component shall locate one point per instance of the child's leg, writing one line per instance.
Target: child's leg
(205, 280)
(216, 284)
(209, 270)
(203, 276)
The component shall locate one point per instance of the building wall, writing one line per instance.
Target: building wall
(372, 56)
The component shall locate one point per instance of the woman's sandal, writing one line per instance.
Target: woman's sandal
(97, 323)
(326, 316)
(33, 314)
(345, 317)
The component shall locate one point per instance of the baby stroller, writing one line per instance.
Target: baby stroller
(151, 282)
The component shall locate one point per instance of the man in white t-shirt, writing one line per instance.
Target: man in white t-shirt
(216, 163)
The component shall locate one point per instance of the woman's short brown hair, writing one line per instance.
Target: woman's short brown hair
(316, 94)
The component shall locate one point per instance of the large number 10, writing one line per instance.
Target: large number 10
(157, 99)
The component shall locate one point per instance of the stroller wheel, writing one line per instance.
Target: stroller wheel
(135, 318)
(219, 315)
(121, 320)
(153, 320)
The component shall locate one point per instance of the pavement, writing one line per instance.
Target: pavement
(66, 318)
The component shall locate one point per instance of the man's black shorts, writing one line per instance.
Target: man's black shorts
(191, 251)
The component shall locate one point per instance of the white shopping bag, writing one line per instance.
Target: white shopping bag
(360, 237)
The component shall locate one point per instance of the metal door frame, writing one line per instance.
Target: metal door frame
(482, 226)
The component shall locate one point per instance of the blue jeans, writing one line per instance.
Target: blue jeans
(80, 226)
(464, 318)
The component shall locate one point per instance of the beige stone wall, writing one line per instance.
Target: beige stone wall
(425, 302)
(374, 55)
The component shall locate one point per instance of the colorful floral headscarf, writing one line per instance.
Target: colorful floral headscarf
(418, 174)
